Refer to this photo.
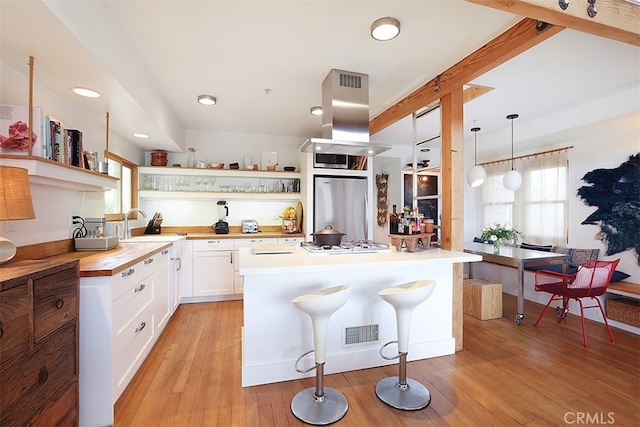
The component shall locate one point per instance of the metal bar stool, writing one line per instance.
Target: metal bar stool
(402, 392)
(320, 405)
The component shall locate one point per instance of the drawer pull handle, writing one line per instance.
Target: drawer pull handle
(141, 327)
(148, 261)
(139, 288)
(43, 375)
(166, 251)
(128, 272)
(59, 303)
(1, 330)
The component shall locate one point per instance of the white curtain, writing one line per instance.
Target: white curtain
(538, 208)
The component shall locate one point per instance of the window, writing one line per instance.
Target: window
(123, 197)
(539, 208)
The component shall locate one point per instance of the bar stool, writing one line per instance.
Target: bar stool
(402, 392)
(320, 405)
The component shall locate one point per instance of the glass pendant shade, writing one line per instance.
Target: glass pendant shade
(476, 176)
(512, 180)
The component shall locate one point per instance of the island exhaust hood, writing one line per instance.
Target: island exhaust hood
(345, 117)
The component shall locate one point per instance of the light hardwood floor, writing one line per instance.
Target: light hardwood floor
(507, 375)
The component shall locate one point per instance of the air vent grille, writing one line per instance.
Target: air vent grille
(360, 334)
(350, 80)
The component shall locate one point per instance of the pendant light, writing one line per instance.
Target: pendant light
(477, 174)
(512, 179)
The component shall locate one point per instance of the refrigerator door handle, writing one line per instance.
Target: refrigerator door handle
(366, 216)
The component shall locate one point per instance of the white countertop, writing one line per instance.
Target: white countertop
(300, 261)
(155, 238)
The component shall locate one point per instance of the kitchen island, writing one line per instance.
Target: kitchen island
(275, 333)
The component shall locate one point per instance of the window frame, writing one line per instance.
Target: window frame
(119, 216)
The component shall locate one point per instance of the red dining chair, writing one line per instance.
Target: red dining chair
(590, 281)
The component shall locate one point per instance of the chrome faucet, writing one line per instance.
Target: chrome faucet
(127, 231)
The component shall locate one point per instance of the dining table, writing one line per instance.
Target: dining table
(517, 257)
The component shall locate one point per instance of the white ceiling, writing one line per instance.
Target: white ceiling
(151, 59)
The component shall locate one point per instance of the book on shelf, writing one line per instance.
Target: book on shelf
(14, 130)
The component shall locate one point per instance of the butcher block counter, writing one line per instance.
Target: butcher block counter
(108, 263)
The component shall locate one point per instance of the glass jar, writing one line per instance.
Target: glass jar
(289, 225)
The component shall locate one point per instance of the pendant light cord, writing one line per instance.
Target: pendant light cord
(475, 145)
(511, 117)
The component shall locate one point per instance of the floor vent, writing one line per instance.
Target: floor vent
(360, 334)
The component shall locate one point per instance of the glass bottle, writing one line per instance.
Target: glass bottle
(191, 158)
(393, 221)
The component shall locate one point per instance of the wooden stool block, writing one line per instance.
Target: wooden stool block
(482, 299)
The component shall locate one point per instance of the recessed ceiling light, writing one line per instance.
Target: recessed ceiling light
(384, 29)
(316, 111)
(141, 135)
(207, 100)
(88, 93)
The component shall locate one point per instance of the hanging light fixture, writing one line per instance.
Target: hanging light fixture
(477, 174)
(512, 179)
(15, 203)
(384, 29)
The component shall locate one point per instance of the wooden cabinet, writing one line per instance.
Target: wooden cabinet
(39, 343)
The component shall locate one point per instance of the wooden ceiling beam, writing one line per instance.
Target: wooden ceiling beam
(615, 19)
(506, 46)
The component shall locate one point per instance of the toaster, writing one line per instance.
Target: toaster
(249, 226)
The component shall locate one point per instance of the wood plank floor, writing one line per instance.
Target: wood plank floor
(507, 375)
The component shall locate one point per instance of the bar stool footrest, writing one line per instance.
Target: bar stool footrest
(307, 407)
(411, 396)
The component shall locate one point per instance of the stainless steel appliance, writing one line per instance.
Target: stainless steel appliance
(360, 246)
(249, 226)
(341, 202)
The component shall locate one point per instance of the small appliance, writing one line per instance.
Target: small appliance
(222, 227)
(249, 226)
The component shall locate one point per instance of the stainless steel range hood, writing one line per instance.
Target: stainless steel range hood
(345, 117)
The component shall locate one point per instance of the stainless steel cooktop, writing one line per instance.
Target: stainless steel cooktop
(346, 247)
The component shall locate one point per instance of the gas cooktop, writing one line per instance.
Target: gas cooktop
(359, 246)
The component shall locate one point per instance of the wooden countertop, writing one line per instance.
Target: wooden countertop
(108, 263)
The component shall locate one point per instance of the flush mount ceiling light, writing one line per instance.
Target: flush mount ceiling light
(477, 174)
(316, 111)
(207, 100)
(141, 135)
(384, 29)
(87, 93)
(512, 179)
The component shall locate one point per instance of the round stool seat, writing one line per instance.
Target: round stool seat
(401, 392)
(320, 405)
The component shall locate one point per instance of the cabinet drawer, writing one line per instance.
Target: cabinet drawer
(129, 305)
(246, 243)
(55, 301)
(32, 379)
(62, 412)
(14, 321)
(213, 245)
(126, 279)
(129, 355)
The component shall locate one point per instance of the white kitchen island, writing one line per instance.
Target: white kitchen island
(275, 333)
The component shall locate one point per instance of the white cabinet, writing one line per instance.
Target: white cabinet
(162, 287)
(120, 318)
(212, 267)
(293, 241)
(177, 274)
(238, 280)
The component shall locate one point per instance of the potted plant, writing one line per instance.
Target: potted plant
(499, 234)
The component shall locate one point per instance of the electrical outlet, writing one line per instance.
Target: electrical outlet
(71, 224)
(275, 216)
(10, 227)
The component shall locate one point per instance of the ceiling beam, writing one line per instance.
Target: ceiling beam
(506, 46)
(615, 19)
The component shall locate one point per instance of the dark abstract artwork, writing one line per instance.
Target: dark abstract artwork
(616, 195)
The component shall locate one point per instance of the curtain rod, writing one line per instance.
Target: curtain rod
(526, 156)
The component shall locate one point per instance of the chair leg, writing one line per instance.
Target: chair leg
(605, 321)
(584, 330)
(535, 325)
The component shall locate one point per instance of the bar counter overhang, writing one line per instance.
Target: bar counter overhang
(275, 333)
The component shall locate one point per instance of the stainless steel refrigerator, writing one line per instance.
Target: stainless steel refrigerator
(341, 202)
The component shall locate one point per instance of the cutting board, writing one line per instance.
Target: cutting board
(299, 216)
